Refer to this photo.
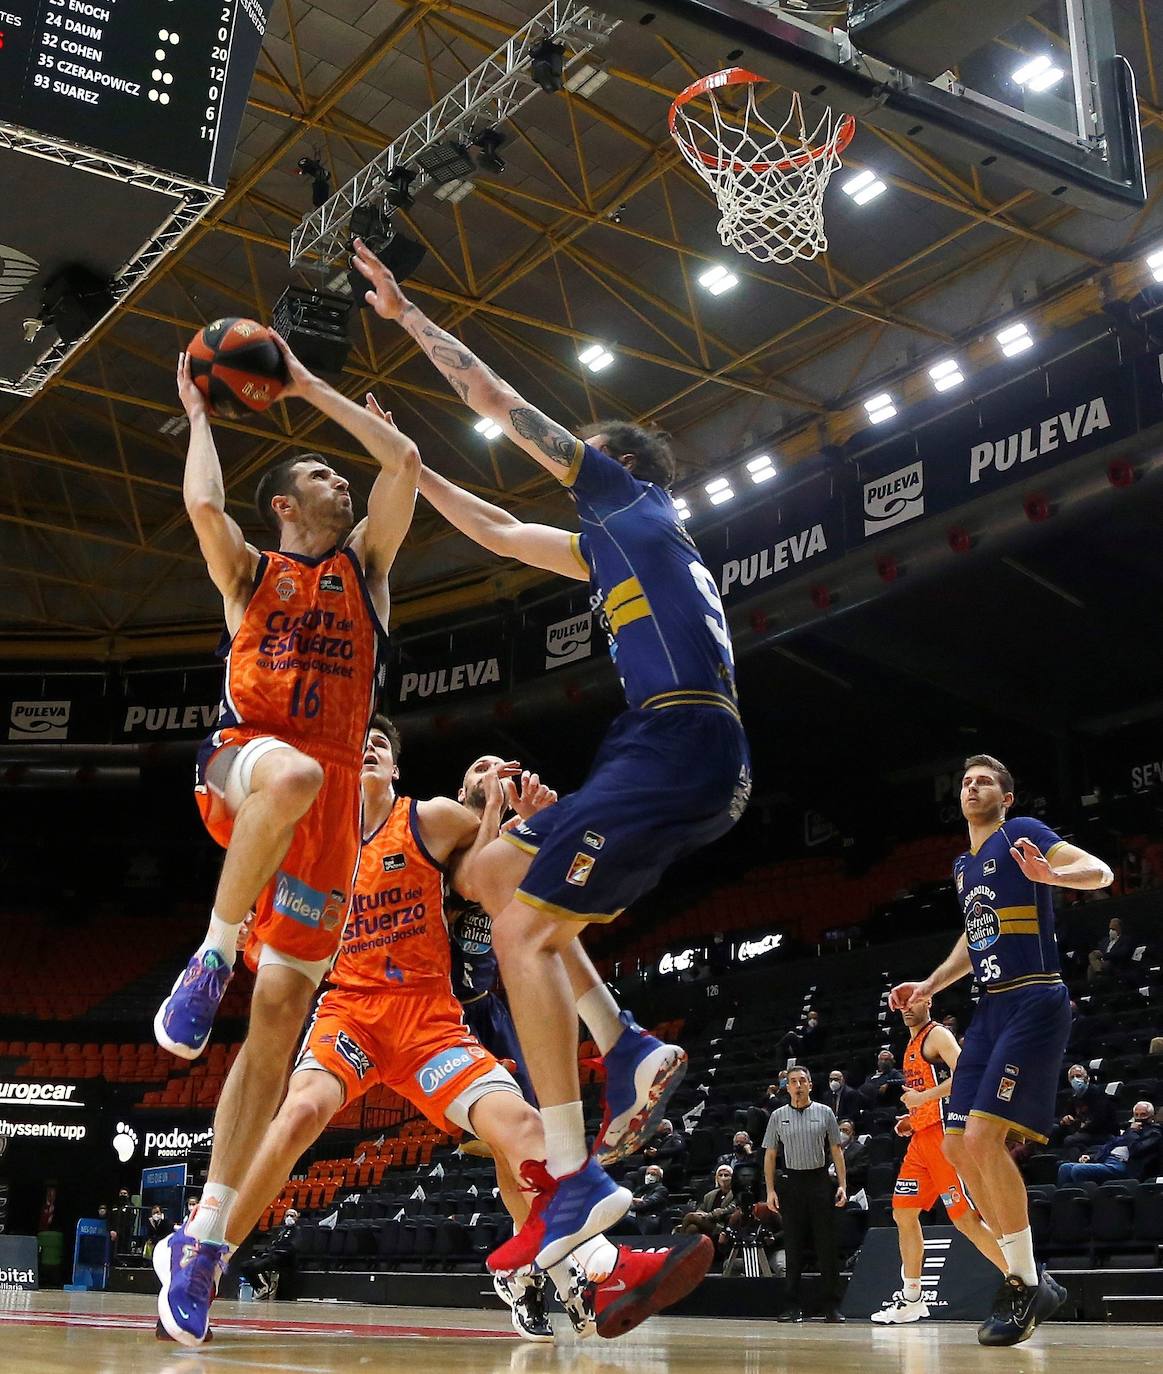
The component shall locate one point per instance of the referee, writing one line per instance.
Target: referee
(806, 1201)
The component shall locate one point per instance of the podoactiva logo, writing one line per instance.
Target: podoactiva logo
(172, 1144)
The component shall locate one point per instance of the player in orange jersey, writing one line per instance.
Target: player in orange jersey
(278, 780)
(389, 1015)
(925, 1174)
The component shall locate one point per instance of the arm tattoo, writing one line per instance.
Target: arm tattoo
(460, 386)
(450, 356)
(556, 443)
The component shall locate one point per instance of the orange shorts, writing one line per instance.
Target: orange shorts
(414, 1043)
(927, 1175)
(302, 910)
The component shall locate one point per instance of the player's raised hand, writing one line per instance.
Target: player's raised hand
(1029, 858)
(905, 994)
(531, 795)
(300, 378)
(385, 296)
(193, 402)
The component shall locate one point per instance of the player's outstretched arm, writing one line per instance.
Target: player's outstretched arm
(1071, 867)
(540, 546)
(230, 560)
(957, 965)
(478, 386)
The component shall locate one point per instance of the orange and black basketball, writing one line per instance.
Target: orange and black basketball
(237, 366)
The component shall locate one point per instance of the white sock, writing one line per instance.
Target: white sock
(600, 1012)
(1018, 1251)
(565, 1138)
(221, 937)
(212, 1213)
(597, 1256)
(911, 1288)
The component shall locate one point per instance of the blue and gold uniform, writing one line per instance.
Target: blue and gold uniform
(1012, 1058)
(673, 772)
(474, 980)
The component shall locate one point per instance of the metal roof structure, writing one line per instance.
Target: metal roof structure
(596, 232)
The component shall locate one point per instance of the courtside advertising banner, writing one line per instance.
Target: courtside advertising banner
(19, 1264)
(957, 1281)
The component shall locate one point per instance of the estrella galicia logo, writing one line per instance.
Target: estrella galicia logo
(331, 582)
(894, 498)
(302, 903)
(982, 926)
(394, 862)
(347, 1049)
(441, 1067)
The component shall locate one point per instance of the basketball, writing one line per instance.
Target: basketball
(237, 366)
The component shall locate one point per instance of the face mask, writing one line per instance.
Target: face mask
(835, 1084)
(1079, 1085)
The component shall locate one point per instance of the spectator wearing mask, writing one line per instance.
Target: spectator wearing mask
(191, 1208)
(806, 1038)
(844, 1101)
(741, 1152)
(1113, 952)
(122, 1222)
(156, 1226)
(266, 1267)
(1132, 1154)
(649, 1202)
(855, 1157)
(1086, 1115)
(713, 1213)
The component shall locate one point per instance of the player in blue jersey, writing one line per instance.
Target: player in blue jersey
(1007, 1075)
(672, 774)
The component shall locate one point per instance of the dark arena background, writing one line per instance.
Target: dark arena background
(924, 468)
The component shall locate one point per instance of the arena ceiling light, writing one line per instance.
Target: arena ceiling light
(1155, 263)
(863, 187)
(1039, 73)
(1014, 339)
(681, 507)
(761, 469)
(880, 408)
(586, 80)
(946, 374)
(597, 357)
(453, 191)
(718, 279)
(488, 428)
(719, 490)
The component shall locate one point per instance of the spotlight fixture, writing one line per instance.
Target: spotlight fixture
(946, 374)
(681, 508)
(863, 187)
(597, 357)
(1039, 73)
(586, 80)
(1155, 263)
(398, 192)
(320, 179)
(718, 279)
(548, 59)
(488, 142)
(314, 323)
(447, 161)
(488, 428)
(719, 490)
(880, 408)
(1015, 338)
(762, 469)
(453, 191)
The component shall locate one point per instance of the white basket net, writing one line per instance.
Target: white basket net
(768, 182)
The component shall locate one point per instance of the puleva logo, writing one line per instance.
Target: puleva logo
(37, 720)
(894, 498)
(567, 641)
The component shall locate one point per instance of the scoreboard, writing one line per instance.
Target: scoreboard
(158, 82)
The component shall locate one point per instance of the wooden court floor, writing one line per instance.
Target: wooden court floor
(91, 1333)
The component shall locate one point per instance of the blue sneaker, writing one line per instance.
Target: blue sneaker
(189, 1271)
(565, 1212)
(185, 1019)
(641, 1075)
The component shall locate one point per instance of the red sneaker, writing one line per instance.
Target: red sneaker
(646, 1281)
(565, 1212)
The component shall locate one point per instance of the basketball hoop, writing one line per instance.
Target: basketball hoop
(769, 183)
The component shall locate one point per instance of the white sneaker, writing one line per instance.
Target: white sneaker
(578, 1301)
(525, 1296)
(899, 1311)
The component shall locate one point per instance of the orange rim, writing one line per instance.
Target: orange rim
(740, 76)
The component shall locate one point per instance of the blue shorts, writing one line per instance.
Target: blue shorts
(1011, 1063)
(488, 1018)
(664, 783)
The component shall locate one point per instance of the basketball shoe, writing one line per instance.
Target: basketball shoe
(525, 1297)
(578, 1301)
(185, 1019)
(645, 1281)
(565, 1212)
(1019, 1308)
(641, 1075)
(189, 1271)
(899, 1311)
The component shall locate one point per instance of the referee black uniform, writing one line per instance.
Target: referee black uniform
(807, 1196)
